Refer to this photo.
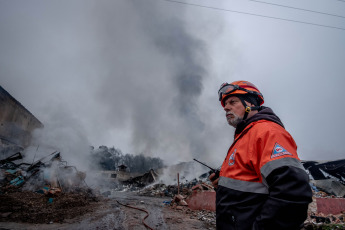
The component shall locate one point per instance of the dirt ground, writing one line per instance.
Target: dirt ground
(27, 210)
(33, 207)
(84, 211)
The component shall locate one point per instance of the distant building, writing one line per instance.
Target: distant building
(16, 123)
(122, 168)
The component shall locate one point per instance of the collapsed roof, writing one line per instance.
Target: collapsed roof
(326, 170)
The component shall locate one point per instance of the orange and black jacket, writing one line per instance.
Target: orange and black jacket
(262, 183)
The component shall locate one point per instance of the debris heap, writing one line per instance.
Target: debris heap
(42, 192)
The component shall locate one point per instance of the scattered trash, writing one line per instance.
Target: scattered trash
(17, 181)
(313, 187)
(50, 200)
(167, 202)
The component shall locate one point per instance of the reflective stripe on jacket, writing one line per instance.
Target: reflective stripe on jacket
(262, 183)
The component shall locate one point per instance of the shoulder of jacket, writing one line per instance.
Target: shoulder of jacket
(265, 123)
(264, 126)
(259, 128)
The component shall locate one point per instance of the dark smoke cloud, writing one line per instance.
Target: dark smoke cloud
(157, 94)
(187, 57)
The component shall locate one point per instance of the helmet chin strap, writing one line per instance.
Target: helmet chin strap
(247, 109)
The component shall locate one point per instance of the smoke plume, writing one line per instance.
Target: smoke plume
(156, 94)
(128, 73)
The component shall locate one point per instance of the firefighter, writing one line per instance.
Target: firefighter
(262, 183)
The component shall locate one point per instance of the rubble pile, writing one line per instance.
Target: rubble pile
(161, 190)
(323, 194)
(328, 177)
(42, 192)
(206, 216)
(55, 173)
(48, 191)
(179, 200)
(141, 181)
(327, 219)
(326, 170)
(181, 197)
(321, 221)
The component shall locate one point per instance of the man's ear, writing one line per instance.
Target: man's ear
(249, 104)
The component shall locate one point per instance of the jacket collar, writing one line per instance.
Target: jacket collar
(265, 113)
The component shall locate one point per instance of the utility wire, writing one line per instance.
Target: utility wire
(258, 15)
(296, 8)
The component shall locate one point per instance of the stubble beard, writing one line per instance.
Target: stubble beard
(233, 121)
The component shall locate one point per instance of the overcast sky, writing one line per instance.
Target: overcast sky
(143, 75)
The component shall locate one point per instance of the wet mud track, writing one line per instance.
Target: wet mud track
(109, 214)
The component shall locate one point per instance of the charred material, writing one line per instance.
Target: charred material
(8, 163)
(326, 170)
(55, 175)
(328, 177)
(42, 192)
(144, 180)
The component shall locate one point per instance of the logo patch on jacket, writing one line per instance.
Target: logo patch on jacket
(278, 151)
(232, 158)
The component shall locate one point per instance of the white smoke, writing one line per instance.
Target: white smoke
(131, 73)
(186, 172)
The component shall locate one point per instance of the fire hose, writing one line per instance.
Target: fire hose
(143, 210)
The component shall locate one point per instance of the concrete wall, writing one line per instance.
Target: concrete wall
(16, 122)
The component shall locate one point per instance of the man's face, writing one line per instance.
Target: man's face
(234, 110)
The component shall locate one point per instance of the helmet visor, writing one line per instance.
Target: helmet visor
(229, 88)
(226, 89)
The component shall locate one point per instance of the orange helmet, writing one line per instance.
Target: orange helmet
(239, 87)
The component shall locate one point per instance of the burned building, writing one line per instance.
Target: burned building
(326, 170)
(16, 124)
(327, 176)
